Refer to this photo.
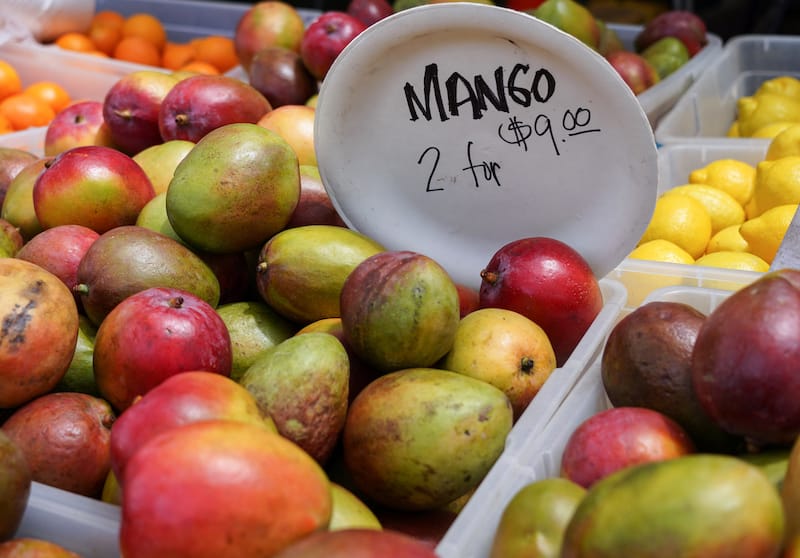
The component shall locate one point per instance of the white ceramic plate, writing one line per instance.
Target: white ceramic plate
(420, 149)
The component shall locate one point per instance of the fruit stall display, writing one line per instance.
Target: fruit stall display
(298, 337)
(681, 371)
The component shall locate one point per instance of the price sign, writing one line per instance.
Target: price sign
(452, 129)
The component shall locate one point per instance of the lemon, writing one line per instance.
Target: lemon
(771, 130)
(777, 183)
(723, 208)
(728, 239)
(660, 250)
(766, 108)
(733, 260)
(782, 85)
(784, 144)
(733, 130)
(682, 220)
(765, 232)
(736, 177)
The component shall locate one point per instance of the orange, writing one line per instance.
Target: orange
(176, 55)
(200, 68)
(73, 40)
(139, 50)
(105, 37)
(50, 92)
(217, 50)
(10, 83)
(146, 26)
(24, 111)
(5, 125)
(107, 17)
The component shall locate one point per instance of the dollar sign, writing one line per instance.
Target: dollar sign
(519, 130)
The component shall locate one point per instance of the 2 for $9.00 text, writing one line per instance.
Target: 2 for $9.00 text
(479, 96)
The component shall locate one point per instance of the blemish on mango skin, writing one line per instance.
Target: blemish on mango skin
(14, 325)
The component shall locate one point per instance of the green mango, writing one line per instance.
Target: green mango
(572, 18)
(666, 55)
(419, 438)
(253, 327)
(773, 463)
(301, 270)
(302, 383)
(534, 520)
(609, 40)
(80, 374)
(710, 505)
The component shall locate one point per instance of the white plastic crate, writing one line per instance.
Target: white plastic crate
(708, 108)
(539, 456)
(675, 162)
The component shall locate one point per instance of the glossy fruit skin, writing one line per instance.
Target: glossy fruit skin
(634, 69)
(325, 38)
(152, 335)
(399, 309)
(358, 543)
(12, 161)
(180, 399)
(95, 186)
(131, 108)
(745, 357)
(279, 74)
(369, 11)
(40, 329)
(34, 548)
(65, 439)
(673, 508)
(682, 24)
(60, 250)
(267, 23)
(15, 486)
(547, 281)
(80, 123)
(202, 103)
(220, 489)
(620, 437)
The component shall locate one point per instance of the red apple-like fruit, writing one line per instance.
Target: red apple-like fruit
(59, 250)
(279, 74)
(619, 437)
(65, 437)
(295, 124)
(180, 399)
(468, 298)
(369, 11)
(325, 38)
(358, 543)
(220, 489)
(80, 123)
(201, 103)
(130, 109)
(152, 335)
(682, 24)
(265, 24)
(744, 360)
(634, 70)
(547, 281)
(315, 206)
(94, 186)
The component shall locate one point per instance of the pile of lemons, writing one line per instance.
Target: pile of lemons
(773, 107)
(729, 214)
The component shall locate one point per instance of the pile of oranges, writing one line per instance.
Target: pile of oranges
(141, 38)
(23, 106)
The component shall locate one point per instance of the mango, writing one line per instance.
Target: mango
(419, 438)
(708, 505)
(534, 520)
(302, 383)
(301, 270)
